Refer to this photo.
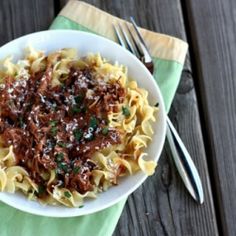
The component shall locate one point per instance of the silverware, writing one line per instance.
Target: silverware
(183, 161)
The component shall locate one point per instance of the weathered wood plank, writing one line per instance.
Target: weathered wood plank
(162, 206)
(213, 35)
(22, 17)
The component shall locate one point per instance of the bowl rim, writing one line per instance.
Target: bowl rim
(41, 212)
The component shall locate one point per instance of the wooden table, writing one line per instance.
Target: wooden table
(203, 111)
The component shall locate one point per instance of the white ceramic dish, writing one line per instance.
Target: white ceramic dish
(85, 43)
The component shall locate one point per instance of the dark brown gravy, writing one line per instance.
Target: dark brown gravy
(59, 128)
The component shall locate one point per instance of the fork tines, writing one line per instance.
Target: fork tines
(130, 38)
(127, 39)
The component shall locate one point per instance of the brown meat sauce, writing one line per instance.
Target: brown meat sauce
(59, 128)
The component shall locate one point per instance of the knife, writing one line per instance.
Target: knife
(184, 164)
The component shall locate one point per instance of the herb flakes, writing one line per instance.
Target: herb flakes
(93, 122)
(126, 111)
(67, 194)
(78, 133)
(105, 131)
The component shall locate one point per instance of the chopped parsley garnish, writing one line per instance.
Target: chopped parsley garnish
(125, 111)
(105, 131)
(67, 194)
(54, 131)
(63, 166)
(81, 206)
(53, 123)
(21, 122)
(79, 98)
(157, 104)
(61, 144)
(93, 122)
(75, 109)
(76, 169)
(41, 189)
(78, 133)
(60, 157)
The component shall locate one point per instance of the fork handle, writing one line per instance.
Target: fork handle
(184, 164)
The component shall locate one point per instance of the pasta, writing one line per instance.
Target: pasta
(69, 126)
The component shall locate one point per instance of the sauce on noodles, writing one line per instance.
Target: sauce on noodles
(59, 128)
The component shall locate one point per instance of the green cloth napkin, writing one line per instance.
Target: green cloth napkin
(168, 55)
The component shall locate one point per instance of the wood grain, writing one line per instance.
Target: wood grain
(162, 206)
(18, 18)
(214, 50)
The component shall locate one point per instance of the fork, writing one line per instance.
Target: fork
(134, 42)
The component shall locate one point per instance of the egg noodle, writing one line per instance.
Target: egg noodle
(69, 126)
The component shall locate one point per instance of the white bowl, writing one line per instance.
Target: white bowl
(86, 42)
